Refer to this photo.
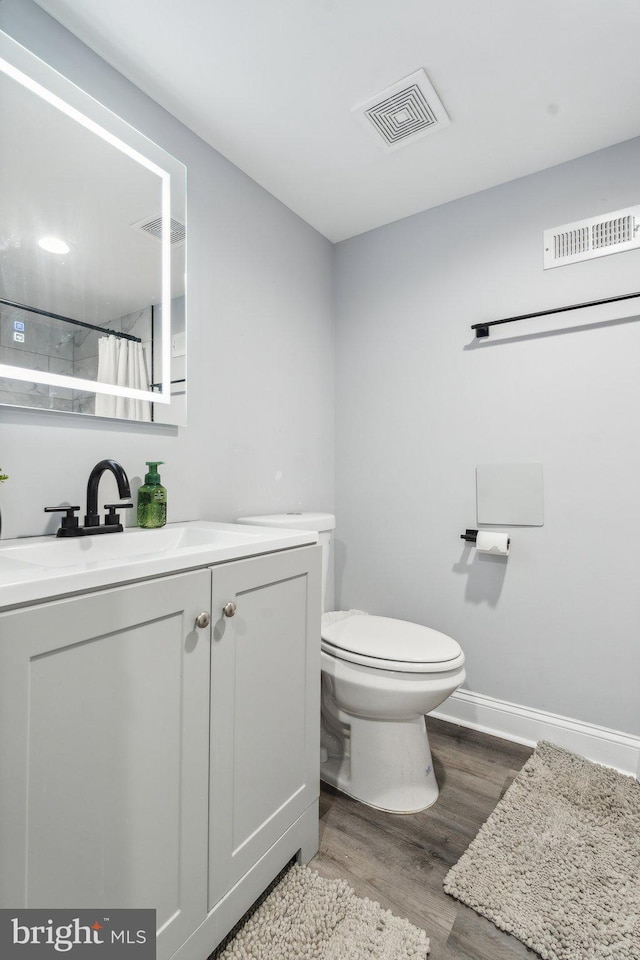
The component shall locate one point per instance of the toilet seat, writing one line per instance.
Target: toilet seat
(384, 643)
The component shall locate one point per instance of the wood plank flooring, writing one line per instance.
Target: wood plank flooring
(401, 860)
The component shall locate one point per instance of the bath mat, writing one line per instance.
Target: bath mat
(557, 864)
(306, 917)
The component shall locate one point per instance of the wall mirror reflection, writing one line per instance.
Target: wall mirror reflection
(92, 254)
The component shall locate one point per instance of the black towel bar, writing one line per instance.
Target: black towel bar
(482, 329)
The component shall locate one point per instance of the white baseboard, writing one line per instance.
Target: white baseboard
(527, 725)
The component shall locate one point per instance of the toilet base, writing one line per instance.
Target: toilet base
(385, 764)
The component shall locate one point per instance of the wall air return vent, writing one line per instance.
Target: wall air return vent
(595, 237)
(152, 226)
(403, 113)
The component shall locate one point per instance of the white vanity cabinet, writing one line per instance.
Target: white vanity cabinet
(104, 744)
(265, 708)
(146, 762)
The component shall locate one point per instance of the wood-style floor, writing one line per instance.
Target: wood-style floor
(401, 860)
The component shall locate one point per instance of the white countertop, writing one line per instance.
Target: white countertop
(35, 569)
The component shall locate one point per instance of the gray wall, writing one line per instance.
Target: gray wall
(261, 421)
(419, 406)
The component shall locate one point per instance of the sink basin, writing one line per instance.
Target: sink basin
(42, 568)
(53, 552)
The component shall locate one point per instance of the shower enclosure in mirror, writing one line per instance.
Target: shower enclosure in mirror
(92, 254)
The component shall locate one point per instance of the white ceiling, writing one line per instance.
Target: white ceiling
(271, 85)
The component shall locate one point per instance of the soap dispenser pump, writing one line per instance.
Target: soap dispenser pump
(152, 498)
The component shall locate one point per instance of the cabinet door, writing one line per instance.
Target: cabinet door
(265, 709)
(104, 703)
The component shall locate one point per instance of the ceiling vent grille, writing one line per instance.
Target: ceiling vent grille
(595, 237)
(153, 228)
(405, 112)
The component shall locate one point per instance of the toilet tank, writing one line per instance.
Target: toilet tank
(323, 523)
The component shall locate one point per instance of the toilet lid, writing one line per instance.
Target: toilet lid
(398, 641)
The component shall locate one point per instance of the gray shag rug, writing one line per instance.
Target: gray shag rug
(557, 864)
(306, 917)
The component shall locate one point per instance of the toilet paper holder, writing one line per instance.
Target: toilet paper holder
(471, 536)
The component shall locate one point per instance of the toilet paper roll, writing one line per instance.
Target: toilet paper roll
(488, 541)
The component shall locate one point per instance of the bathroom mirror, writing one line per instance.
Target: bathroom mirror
(92, 254)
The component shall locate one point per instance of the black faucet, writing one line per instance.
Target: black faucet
(70, 526)
(92, 519)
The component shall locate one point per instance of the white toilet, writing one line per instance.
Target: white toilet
(380, 676)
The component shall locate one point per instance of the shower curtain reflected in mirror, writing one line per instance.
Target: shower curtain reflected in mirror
(122, 363)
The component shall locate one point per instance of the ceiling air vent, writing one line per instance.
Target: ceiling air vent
(153, 228)
(595, 237)
(405, 112)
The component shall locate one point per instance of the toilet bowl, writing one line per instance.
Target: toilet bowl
(379, 676)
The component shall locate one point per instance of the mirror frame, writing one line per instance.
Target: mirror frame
(23, 66)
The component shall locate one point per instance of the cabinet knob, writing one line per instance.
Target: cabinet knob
(229, 609)
(203, 620)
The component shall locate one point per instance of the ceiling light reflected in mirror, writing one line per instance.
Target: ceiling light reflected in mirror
(54, 245)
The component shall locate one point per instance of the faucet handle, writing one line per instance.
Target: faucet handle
(70, 522)
(112, 518)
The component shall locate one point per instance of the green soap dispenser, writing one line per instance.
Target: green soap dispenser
(152, 498)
